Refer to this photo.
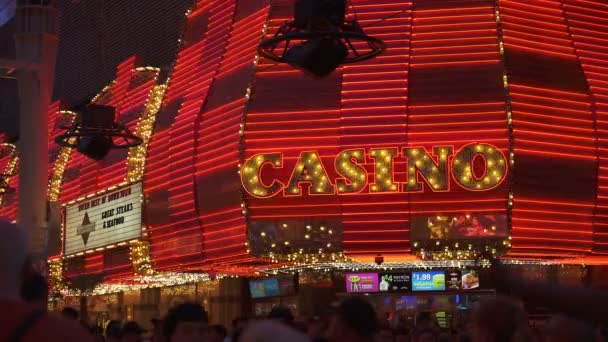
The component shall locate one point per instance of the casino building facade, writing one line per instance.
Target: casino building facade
(481, 130)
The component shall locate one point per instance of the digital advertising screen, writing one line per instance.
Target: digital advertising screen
(264, 288)
(395, 282)
(453, 280)
(428, 281)
(458, 227)
(470, 279)
(361, 282)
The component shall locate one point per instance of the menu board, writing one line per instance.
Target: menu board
(395, 282)
(440, 280)
(428, 281)
(361, 282)
(453, 280)
(470, 280)
(264, 288)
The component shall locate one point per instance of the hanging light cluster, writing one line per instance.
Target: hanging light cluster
(95, 133)
(320, 38)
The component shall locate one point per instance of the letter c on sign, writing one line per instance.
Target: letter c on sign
(251, 179)
(495, 167)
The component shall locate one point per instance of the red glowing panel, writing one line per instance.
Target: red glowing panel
(377, 108)
(128, 95)
(454, 74)
(8, 165)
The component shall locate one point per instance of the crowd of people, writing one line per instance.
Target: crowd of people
(24, 316)
(353, 319)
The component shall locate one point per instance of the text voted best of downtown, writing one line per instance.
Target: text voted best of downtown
(436, 168)
(109, 216)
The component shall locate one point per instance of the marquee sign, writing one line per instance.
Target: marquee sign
(424, 170)
(99, 221)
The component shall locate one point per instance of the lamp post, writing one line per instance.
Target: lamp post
(36, 39)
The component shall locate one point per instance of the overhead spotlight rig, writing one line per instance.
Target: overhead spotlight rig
(95, 132)
(320, 38)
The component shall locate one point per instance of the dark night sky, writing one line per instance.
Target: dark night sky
(95, 36)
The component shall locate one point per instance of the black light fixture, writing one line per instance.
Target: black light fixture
(95, 132)
(324, 39)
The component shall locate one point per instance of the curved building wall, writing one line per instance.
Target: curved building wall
(526, 78)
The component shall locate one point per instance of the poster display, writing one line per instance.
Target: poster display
(453, 280)
(406, 281)
(361, 282)
(428, 281)
(395, 282)
(470, 280)
(102, 220)
(457, 227)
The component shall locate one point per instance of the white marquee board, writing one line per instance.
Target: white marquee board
(102, 220)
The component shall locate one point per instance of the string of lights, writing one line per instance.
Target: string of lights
(243, 123)
(12, 156)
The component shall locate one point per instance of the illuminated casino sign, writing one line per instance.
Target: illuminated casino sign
(105, 219)
(425, 169)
